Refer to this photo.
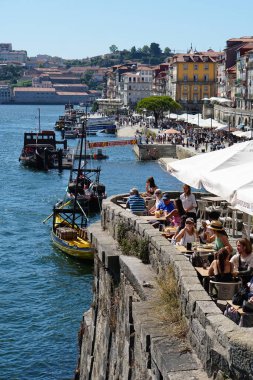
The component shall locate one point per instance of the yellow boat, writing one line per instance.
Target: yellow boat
(70, 237)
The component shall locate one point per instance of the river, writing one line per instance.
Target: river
(43, 293)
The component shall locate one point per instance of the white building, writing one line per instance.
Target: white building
(136, 85)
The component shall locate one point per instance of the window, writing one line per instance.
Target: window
(195, 88)
(206, 78)
(206, 88)
(185, 78)
(185, 88)
(206, 66)
(185, 66)
(130, 79)
(134, 79)
(195, 66)
(195, 78)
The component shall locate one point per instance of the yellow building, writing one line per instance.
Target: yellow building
(192, 77)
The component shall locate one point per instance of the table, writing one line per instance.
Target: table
(150, 218)
(200, 249)
(202, 271)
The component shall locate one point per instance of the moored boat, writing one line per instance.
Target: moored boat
(69, 232)
(40, 150)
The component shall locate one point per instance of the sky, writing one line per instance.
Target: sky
(75, 29)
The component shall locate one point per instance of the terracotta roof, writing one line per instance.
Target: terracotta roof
(34, 89)
(71, 93)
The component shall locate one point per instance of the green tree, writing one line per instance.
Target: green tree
(145, 50)
(167, 51)
(113, 48)
(155, 49)
(157, 105)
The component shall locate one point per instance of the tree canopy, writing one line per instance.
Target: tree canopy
(157, 105)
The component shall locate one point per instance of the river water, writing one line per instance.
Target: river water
(43, 293)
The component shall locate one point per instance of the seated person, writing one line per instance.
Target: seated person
(165, 204)
(242, 261)
(158, 197)
(135, 202)
(188, 234)
(203, 232)
(177, 217)
(219, 237)
(221, 269)
(150, 186)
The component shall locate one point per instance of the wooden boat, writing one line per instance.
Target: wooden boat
(69, 232)
(40, 150)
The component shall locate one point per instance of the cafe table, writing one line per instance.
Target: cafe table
(200, 249)
(203, 272)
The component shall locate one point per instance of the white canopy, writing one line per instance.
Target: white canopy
(226, 172)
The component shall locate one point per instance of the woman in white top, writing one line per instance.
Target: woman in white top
(243, 259)
(188, 234)
(189, 202)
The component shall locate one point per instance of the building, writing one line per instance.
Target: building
(192, 77)
(7, 55)
(5, 94)
(136, 85)
(34, 95)
(160, 77)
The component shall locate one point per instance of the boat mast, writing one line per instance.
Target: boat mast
(39, 118)
(83, 136)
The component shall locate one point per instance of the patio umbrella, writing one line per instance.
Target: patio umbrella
(171, 131)
(226, 172)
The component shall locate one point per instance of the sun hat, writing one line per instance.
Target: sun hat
(158, 191)
(166, 197)
(189, 220)
(216, 225)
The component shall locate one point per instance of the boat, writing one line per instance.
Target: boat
(84, 182)
(69, 233)
(95, 123)
(40, 150)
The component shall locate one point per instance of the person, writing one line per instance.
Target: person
(188, 234)
(165, 204)
(150, 186)
(221, 268)
(177, 216)
(135, 202)
(189, 202)
(158, 197)
(219, 237)
(203, 231)
(242, 261)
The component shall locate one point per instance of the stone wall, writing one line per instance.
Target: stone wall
(122, 337)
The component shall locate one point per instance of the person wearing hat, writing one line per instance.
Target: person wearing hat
(219, 237)
(165, 204)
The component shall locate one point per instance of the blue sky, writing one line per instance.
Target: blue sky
(84, 28)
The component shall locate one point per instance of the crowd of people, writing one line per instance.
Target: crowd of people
(226, 263)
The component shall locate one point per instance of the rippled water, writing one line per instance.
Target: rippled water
(43, 293)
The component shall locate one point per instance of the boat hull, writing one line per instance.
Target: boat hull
(71, 248)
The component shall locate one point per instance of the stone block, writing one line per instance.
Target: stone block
(204, 308)
(170, 356)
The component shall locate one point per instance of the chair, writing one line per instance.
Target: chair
(225, 218)
(203, 209)
(223, 290)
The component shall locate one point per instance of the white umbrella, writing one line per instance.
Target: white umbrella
(222, 172)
